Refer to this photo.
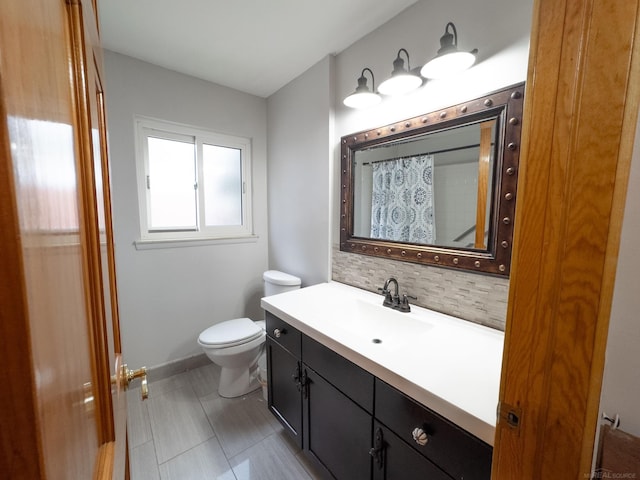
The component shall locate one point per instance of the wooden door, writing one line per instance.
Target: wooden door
(580, 114)
(61, 416)
(90, 107)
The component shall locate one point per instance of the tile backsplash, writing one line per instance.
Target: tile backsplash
(474, 297)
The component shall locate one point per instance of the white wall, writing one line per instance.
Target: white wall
(455, 200)
(621, 382)
(499, 29)
(300, 129)
(168, 296)
(304, 146)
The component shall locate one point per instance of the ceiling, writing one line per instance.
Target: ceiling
(255, 46)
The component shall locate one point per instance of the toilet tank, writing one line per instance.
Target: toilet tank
(279, 282)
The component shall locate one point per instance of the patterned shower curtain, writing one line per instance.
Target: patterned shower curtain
(402, 200)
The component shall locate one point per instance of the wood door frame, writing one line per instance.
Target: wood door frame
(581, 111)
(94, 170)
(81, 55)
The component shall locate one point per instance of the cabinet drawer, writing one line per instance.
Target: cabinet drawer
(457, 452)
(346, 376)
(284, 334)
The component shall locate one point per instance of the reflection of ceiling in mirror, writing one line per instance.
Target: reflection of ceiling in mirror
(454, 145)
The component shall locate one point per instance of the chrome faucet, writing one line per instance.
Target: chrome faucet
(393, 301)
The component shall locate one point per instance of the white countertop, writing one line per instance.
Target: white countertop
(450, 365)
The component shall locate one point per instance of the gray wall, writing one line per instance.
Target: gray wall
(503, 43)
(300, 128)
(621, 382)
(168, 296)
(498, 28)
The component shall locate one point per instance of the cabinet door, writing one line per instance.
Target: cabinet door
(393, 459)
(284, 400)
(337, 431)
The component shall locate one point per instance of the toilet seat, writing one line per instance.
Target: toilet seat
(230, 333)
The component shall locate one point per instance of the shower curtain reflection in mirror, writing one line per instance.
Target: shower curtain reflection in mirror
(402, 205)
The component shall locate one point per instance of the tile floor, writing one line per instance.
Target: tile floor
(186, 431)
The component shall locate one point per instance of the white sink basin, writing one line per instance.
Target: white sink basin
(378, 325)
(448, 364)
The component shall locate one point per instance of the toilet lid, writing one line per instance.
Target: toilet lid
(231, 332)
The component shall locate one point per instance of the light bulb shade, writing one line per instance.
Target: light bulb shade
(448, 64)
(402, 81)
(362, 100)
(363, 97)
(400, 84)
(448, 61)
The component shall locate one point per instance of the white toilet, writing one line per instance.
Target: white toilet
(236, 345)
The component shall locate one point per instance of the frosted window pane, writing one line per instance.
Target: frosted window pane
(222, 170)
(171, 184)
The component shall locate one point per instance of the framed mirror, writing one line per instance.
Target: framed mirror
(438, 189)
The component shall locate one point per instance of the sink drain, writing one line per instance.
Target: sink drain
(376, 340)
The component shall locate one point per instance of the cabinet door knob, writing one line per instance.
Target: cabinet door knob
(420, 436)
(277, 332)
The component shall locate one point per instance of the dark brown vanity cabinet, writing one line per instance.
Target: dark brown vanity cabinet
(337, 432)
(355, 426)
(409, 428)
(337, 412)
(284, 372)
(395, 460)
(311, 392)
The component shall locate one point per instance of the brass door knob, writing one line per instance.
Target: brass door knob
(129, 375)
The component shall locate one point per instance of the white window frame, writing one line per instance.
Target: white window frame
(201, 234)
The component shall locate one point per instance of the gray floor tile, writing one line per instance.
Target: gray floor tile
(239, 423)
(205, 380)
(268, 460)
(288, 441)
(138, 426)
(171, 437)
(309, 466)
(167, 384)
(206, 461)
(178, 422)
(143, 464)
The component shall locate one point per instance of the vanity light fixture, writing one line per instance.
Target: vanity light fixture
(449, 60)
(363, 97)
(402, 80)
